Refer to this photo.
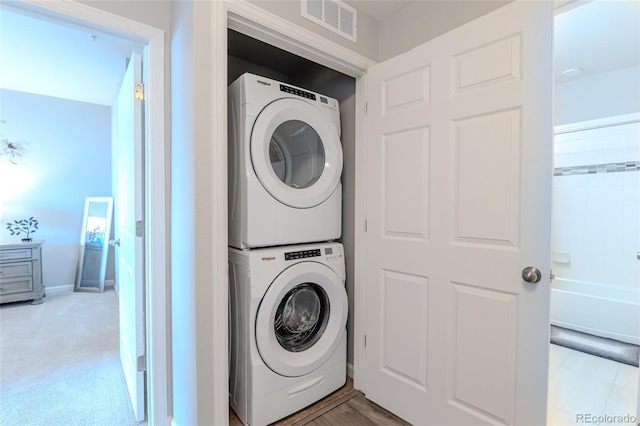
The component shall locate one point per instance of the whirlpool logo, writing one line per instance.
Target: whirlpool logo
(264, 83)
(268, 258)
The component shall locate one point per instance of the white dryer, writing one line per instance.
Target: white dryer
(285, 164)
(287, 330)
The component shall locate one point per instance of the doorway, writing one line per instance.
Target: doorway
(247, 54)
(101, 22)
(595, 206)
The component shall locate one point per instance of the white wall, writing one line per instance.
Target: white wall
(151, 12)
(421, 21)
(603, 95)
(596, 216)
(183, 204)
(68, 159)
(200, 370)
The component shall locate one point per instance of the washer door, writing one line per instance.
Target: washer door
(296, 153)
(301, 319)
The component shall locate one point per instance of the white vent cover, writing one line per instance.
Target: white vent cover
(333, 15)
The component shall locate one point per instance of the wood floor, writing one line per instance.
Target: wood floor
(345, 406)
(358, 411)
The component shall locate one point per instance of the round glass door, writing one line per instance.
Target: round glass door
(296, 153)
(301, 319)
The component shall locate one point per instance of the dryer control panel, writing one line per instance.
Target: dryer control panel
(329, 253)
(321, 101)
(297, 92)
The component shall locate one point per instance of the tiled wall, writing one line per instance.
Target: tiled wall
(596, 204)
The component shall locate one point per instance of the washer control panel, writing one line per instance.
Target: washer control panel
(303, 254)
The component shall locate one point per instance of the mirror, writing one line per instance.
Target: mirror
(94, 244)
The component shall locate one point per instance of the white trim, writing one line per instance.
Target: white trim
(220, 302)
(156, 277)
(155, 203)
(359, 258)
(256, 22)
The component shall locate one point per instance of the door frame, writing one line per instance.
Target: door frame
(152, 39)
(256, 22)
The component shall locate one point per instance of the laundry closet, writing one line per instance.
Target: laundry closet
(248, 55)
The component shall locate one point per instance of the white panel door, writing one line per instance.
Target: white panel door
(459, 144)
(127, 149)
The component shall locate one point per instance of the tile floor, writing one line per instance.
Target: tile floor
(582, 384)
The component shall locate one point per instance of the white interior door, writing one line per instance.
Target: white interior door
(128, 189)
(459, 152)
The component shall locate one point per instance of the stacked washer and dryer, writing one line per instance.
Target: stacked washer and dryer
(287, 298)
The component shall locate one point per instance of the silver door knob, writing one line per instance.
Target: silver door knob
(531, 274)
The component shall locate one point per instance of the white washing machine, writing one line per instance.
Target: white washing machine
(285, 164)
(287, 329)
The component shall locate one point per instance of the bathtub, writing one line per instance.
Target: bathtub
(605, 311)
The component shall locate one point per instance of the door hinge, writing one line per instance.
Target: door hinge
(366, 224)
(142, 363)
(366, 108)
(551, 276)
(139, 92)
(140, 228)
(365, 340)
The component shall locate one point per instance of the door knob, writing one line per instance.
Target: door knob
(531, 274)
(114, 243)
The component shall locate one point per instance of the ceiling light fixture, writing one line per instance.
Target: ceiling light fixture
(572, 72)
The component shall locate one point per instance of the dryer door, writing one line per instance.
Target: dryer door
(301, 319)
(296, 153)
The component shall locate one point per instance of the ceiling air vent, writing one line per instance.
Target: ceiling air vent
(333, 15)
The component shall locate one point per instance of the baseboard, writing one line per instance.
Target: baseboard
(69, 288)
(58, 289)
(350, 369)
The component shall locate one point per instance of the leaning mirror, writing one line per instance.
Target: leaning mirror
(94, 244)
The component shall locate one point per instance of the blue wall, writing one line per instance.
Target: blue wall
(68, 158)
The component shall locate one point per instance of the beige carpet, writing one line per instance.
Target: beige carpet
(59, 362)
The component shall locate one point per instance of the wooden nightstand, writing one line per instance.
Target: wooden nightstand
(21, 272)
